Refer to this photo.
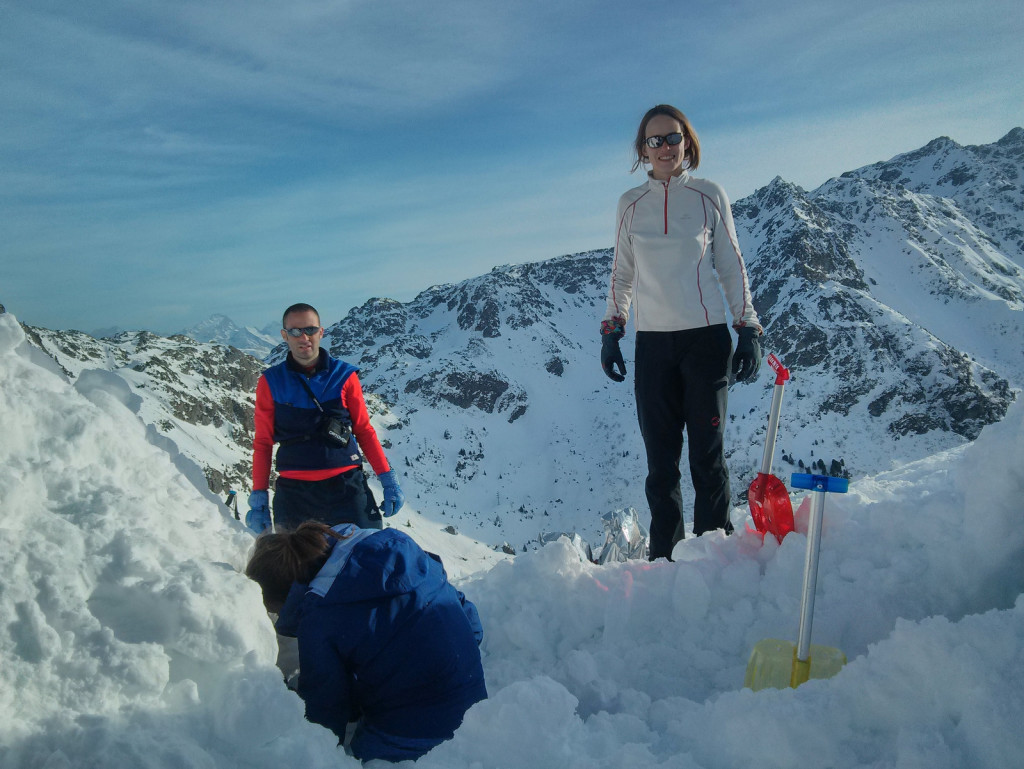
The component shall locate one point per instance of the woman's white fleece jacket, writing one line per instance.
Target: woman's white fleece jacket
(677, 261)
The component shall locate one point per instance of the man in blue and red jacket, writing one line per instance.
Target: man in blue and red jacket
(312, 406)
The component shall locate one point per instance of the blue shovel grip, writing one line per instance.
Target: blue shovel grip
(819, 483)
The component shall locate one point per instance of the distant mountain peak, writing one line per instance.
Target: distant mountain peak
(223, 330)
(1014, 137)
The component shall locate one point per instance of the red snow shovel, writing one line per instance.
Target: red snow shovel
(781, 664)
(767, 495)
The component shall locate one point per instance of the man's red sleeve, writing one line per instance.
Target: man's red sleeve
(353, 400)
(263, 440)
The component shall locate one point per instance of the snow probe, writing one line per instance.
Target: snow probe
(767, 495)
(781, 664)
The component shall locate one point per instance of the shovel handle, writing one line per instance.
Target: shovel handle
(781, 375)
(819, 484)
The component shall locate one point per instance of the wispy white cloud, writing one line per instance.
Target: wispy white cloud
(240, 152)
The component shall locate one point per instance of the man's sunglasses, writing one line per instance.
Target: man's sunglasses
(308, 331)
(656, 141)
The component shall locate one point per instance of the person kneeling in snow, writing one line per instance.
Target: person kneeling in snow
(384, 639)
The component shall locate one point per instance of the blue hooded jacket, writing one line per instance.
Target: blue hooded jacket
(383, 637)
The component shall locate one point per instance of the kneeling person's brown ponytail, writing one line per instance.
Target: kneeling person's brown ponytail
(287, 557)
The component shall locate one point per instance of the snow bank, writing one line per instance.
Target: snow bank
(642, 664)
(129, 638)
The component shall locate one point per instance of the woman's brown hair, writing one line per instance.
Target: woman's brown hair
(292, 556)
(692, 154)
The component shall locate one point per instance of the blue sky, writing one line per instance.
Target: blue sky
(164, 160)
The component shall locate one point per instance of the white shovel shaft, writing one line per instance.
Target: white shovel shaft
(773, 430)
(803, 645)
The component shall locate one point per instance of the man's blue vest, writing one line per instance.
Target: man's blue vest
(297, 418)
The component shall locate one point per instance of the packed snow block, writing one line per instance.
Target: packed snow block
(129, 625)
(93, 381)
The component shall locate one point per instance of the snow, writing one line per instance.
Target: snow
(130, 638)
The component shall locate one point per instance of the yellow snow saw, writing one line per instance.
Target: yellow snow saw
(781, 664)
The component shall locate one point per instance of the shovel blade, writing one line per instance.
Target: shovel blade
(770, 506)
(774, 665)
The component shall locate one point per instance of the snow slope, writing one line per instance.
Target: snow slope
(130, 638)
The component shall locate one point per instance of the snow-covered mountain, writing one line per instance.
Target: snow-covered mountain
(897, 289)
(221, 329)
(893, 293)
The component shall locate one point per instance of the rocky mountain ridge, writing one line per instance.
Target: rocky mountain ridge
(199, 398)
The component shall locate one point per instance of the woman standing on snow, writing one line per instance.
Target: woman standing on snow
(384, 639)
(676, 254)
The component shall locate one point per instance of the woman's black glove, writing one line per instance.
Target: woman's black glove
(747, 359)
(611, 356)
(611, 332)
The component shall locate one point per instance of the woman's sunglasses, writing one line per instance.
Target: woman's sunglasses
(656, 141)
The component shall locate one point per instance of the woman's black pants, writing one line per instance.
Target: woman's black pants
(682, 382)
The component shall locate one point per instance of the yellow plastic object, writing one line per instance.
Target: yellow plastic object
(774, 665)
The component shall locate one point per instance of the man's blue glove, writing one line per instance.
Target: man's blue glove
(747, 359)
(393, 496)
(258, 517)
